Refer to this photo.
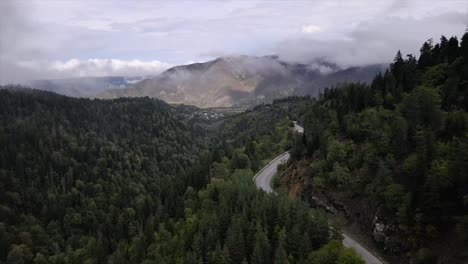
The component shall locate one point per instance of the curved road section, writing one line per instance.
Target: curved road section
(263, 181)
(264, 176)
(365, 254)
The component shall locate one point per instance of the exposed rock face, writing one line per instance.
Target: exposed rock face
(385, 233)
(239, 81)
(379, 232)
(388, 235)
(376, 222)
(317, 203)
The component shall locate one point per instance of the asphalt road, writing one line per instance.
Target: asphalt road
(263, 181)
(264, 176)
(365, 254)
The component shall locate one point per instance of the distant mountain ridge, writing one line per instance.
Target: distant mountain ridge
(85, 86)
(240, 81)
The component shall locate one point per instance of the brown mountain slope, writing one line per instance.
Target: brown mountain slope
(231, 81)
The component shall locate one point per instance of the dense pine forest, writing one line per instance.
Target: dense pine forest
(139, 181)
(394, 154)
(77, 173)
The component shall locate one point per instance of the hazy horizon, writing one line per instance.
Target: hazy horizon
(63, 39)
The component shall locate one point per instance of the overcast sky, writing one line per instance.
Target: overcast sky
(67, 38)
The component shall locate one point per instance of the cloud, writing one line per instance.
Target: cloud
(311, 29)
(321, 67)
(39, 38)
(95, 67)
(374, 41)
(106, 67)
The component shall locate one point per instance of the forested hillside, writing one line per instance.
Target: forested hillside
(125, 181)
(394, 154)
(77, 173)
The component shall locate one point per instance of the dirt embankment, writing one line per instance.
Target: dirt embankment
(364, 220)
(292, 178)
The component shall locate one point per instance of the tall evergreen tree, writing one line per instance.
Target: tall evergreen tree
(262, 248)
(235, 241)
(426, 58)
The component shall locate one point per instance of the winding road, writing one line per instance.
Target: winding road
(264, 176)
(263, 181)
(365, 254)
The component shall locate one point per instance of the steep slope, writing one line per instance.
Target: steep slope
(392, 156)
(236, 81)
(80, 173)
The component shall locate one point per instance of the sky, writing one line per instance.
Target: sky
(41, 39)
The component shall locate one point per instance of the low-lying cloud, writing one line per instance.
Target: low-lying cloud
(24, 71)
(40, 38)
(374, 42)
(311, 29)
(99, 67)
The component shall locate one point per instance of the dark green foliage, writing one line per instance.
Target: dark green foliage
(426, 58)
(249, 140)
(125, 181)
(250, 224)
(400, 144)
(334, 252)
(80, 177)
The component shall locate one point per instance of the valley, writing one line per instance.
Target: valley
(102, 190)
(338, 149)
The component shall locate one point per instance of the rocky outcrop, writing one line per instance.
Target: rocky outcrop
(388, 235)
(318, 203)
(376, 222)
(385, 233)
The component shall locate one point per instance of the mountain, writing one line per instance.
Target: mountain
(85, 86)
(240, 81)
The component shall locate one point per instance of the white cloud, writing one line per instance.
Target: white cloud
(108, 67)
(374, 41)
(90, 67)
(46, 34)
(311, 29)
